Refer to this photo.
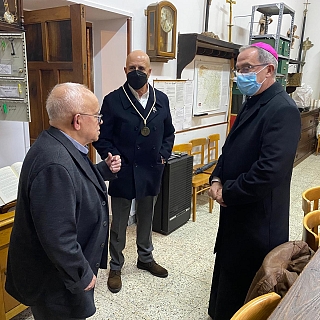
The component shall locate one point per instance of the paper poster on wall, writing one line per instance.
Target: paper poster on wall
(180, 96)
(211, 93)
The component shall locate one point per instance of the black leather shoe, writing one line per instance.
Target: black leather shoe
(114, 281)
(154, 268)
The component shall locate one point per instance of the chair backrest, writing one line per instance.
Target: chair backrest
(182, 147)
(311, 221)
(198, 148)
(259, 308)
(310, 199)
(213, 142)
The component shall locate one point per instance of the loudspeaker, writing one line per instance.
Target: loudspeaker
(173, 206)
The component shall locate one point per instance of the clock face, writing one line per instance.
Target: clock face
(167, 19)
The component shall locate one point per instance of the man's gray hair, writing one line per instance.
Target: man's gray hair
(66, 100)
(263, 56)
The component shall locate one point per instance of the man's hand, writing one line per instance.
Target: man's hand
(215, 192)
(91, 284)
(113, 162)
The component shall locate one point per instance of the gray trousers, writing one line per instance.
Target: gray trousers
(120, 215)
(43, 313)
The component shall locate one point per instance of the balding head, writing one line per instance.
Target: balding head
(138, 55)
(74, 109)
(67, 99)
(138, 70)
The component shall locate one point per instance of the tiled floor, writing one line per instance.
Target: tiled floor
(187, 254)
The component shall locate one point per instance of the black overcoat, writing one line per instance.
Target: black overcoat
(120, 133)
(255, 168)
(60, 233)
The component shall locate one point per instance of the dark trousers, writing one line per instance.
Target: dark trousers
(229, 289)
(120, 215)
(43, 313)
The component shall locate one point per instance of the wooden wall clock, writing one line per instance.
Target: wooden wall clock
(161, 31)
(11, 15)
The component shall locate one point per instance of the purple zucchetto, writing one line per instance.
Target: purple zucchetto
(266, 47)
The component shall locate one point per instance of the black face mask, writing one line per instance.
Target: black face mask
(137, 79)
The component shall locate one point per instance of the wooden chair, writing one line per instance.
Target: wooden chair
(198, 150)
(182, 147)
(310, 202)
(213, 150)
(311, 222)
(200, 182)
(310, 199)
(259, 308)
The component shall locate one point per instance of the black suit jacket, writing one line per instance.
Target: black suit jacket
(120, 133)
(60, 233)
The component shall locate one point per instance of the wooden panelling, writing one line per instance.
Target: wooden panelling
(35, 105)
(50, 14)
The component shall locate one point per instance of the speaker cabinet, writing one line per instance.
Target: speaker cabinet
(173, 206)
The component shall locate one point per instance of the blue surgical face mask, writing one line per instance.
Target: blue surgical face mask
(248, 84)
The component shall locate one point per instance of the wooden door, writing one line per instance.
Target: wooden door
(58, 50)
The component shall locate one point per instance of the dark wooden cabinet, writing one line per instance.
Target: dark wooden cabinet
(307, 143)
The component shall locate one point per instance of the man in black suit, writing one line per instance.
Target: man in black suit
(139, 128)
(60, 234)
(251, 181)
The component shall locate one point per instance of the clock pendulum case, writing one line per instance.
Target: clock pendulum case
(161, 31)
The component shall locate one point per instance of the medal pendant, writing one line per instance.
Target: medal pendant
(145, 131)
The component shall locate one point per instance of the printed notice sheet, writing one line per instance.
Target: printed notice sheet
(180, 95)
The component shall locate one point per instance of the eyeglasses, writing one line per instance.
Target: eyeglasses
(98, 116)
(247, 69)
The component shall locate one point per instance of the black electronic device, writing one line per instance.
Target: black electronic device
(173, 206)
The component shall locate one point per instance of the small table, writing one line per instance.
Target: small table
(302, 301)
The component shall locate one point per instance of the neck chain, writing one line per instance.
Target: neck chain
(145, 131)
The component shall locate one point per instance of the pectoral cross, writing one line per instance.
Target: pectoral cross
(231, 2)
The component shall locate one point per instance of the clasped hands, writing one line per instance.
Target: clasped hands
(215, 192)
(113, 162)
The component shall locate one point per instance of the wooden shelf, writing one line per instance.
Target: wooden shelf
(192, 44)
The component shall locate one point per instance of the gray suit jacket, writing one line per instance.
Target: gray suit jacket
(60, 233)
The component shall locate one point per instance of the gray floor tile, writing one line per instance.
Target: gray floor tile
(187, 253)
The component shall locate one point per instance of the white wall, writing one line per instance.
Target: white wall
(110, 50)
(191, 20)
(14, 142)
(311, 70)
